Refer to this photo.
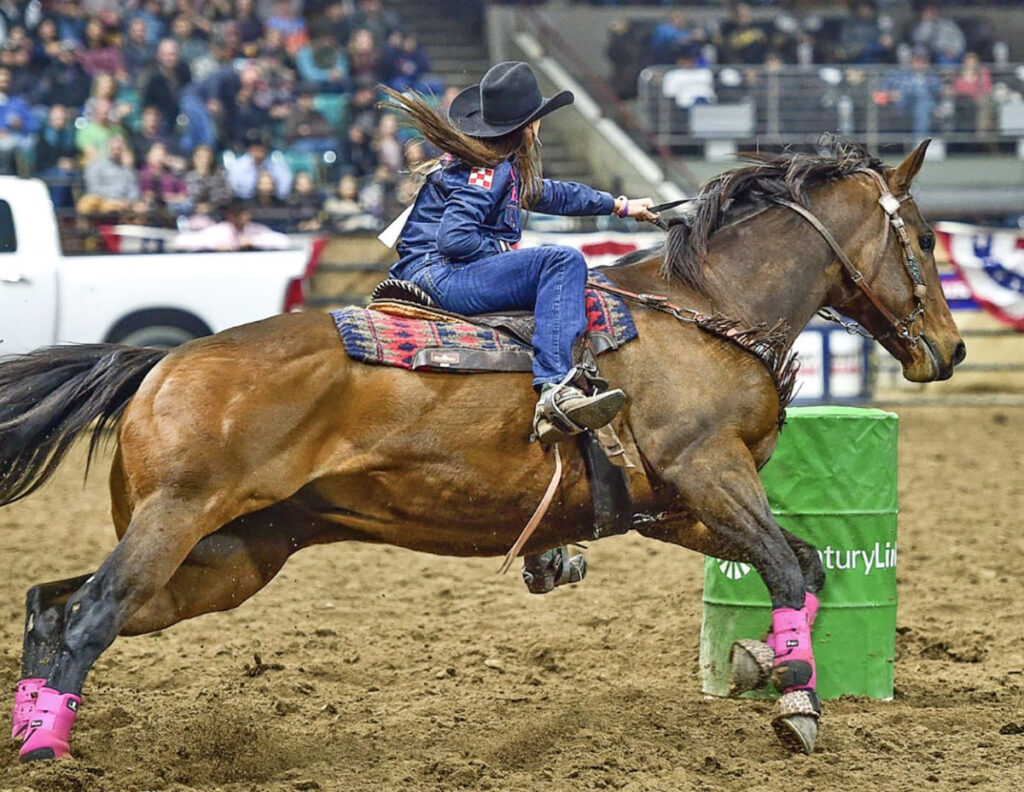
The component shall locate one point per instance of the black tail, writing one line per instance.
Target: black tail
(52, 395)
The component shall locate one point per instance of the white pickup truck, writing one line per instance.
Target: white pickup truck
(144, 299)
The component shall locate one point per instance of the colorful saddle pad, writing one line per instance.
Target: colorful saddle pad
(459, 345)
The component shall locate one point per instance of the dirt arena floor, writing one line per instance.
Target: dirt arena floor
(370, 668)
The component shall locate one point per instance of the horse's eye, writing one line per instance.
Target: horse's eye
(927, 243)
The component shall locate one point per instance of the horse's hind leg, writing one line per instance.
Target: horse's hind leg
(44, 621)
(163, 530)
(227, 567)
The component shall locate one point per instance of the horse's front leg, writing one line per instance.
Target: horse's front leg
(720, 487)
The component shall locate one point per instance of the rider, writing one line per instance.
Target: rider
(455, 242)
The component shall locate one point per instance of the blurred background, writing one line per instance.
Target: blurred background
(161, 113)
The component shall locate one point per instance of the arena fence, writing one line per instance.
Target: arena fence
(718, 107)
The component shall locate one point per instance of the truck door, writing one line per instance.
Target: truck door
(28, 287)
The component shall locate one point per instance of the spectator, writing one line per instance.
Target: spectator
(110, 181)
(151, 14)
(672, 40)
(336, 23)
(206, 184)
(150, 133)
(306, 129)
(942, 37)
(56, 155)
(93, 137)
(386, 144)
(359, 154)
(304, 203)
(371, 16)
(363, 58)
(275, 56)
(377, 194)
(104, 86)
(64, 81)
(404, 65)
(137, 51)
(191, 45)
(160, 187)
(342, 212)
(244, 172)
(17, 126)
(290, 25)
(45, 46)
(249, 109)
(740, 39)
(248, 25)
(236, 232)
(204, 102)
(16, 55)
(163, 84)
(323, 63)
(267, 206)
(915, 90)
(972, 96)
(98, 55)
(862, 39)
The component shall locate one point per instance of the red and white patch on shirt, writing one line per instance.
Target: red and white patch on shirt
(481, 177)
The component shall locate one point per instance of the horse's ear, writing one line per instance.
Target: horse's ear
(905, 172)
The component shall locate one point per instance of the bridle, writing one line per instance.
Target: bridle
(901, 328)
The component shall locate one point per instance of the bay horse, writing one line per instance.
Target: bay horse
(236, 450)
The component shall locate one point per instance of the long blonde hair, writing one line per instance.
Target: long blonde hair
(477, 152)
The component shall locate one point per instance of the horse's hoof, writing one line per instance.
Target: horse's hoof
(796, 725)
(797, 732)
(750, 665)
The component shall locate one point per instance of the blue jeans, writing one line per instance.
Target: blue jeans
(548, 280)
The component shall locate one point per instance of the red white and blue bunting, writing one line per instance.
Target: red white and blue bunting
(991, 262)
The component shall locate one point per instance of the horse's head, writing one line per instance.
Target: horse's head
(900, 299)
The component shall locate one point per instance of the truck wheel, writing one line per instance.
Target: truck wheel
(160, 328)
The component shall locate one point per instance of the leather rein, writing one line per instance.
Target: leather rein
(902, 328)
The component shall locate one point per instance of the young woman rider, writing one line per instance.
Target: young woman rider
(455, 242)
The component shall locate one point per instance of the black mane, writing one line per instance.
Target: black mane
(744, 190)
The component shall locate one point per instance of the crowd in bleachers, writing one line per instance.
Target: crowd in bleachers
(166, 111)
(923, 72)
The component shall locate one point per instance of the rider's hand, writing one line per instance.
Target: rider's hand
(637, 208)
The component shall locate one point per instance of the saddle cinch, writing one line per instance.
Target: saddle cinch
(402, 327)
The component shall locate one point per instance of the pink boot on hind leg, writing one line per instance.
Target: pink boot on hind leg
(24, 703)
(49, 727)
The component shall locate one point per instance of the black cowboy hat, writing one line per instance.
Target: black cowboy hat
(507, 98)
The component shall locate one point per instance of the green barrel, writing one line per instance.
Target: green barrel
(832, 482)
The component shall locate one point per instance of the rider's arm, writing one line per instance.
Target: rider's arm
(572, 198)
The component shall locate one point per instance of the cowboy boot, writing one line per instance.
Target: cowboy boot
(552, 568)
(564, 410)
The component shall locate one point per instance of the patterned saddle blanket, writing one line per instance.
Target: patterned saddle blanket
(424, 338)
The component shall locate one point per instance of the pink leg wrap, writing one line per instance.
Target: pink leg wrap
(49, 728)
(24, 703)
(811, 606)
(791, 640)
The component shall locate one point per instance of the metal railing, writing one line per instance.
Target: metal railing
(874, 104)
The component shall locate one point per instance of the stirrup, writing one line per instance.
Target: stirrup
(552, 422)
(546, 571)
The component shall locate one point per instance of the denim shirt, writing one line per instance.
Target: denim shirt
(464, 213)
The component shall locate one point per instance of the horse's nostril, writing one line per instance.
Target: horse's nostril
(959, 353)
